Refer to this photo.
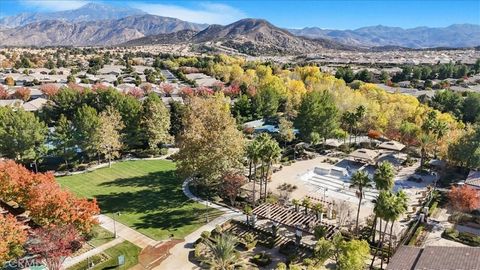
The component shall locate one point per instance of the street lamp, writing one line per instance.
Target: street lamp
(114, 224)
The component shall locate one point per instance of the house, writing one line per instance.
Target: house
(435, 257)
(473, 179)
(35, 105)
(12, 103)
(405, 84)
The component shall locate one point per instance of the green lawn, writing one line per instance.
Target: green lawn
(147, 194)
(100, 236)
(129, 250)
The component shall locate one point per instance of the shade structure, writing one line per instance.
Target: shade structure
(392, 145)
(365, 155)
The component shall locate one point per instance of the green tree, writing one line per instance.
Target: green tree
(85, 122)
(317, 114)
(253, 156)
(286, 130)
(63, 139)
(471, 108)
(384, 176)
(155, 122)
(210, 144)
(353, 255)
(323, 251)
(360, 181)
(22, 135)
(177, 112)
(221, 253)
(107, 138)
(466, 151)
(269, 152)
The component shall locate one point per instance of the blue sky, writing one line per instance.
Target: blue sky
(291, 14)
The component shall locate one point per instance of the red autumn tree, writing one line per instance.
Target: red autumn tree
(374, 134)
(12, 238)
(464, 198)
(50, 90)
(135, 92)
(167, 89)
(187, 92)
(22, 93)
(75, 87)
(43, 197)
(232, 181)
(53, 244)
(3, 92)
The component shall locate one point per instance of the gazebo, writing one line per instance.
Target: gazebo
(364, 155)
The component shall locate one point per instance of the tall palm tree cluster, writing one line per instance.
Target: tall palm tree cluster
(262, 153)
(388, 207)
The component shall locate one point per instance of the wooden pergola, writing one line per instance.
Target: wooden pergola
(292, 219)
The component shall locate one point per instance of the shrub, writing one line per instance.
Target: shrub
(261, 259)
(250, 241)
(319, 231)
(281, 266)
(461, 237)
(206, 234)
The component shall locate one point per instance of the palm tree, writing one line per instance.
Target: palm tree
(253, 154)
(318, 209)
(307, 203)
(360, 180)
(384, 180)
(268, 152)
(296, 203)
(383, 176)
(400, 207)
(271, 153)
(221, 253)
(385, 209)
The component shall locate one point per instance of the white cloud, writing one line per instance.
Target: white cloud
(211, 13)
(53, 5)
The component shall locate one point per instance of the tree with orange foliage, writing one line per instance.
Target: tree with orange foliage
(43, 197)
(9, 81)
(49, 90)
(3, 92)
(464, 198)
(12, 238)
(22, 93)
(54, 244)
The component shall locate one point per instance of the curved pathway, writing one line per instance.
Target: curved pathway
(180, 253)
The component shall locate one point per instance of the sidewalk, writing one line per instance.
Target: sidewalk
(179, 258)
(126, 233)
(71, 261)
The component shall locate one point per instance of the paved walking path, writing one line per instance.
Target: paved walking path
(126, 233)
(71, 261)
(179, 253)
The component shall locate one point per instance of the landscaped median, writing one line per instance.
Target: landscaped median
(109, 258)
(145, 195)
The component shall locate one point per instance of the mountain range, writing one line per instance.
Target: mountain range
(250, 36)
(105, 25)
(88, 12)
(455, 36)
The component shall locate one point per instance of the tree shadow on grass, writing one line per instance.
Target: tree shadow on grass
(157, 197)
(176, 219)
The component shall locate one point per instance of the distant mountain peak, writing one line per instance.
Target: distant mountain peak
(88, 12)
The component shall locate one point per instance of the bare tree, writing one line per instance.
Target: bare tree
(344, 211)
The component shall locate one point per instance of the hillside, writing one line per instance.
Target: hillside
(453, 36)
(105, 32)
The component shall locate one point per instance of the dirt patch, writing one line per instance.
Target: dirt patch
(153, 256)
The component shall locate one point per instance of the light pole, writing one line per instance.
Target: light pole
(114, 224)
(206, 210)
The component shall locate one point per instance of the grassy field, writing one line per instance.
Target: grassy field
(147, 195)
(110, 257)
